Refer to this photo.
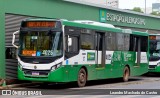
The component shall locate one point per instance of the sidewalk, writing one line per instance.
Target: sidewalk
(9, 84)
(15, 85)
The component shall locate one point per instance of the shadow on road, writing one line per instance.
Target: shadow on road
(60, 86)
(110, 81)
(151, 75)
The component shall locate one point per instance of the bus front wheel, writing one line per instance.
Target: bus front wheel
(82, 77)
(126, 74)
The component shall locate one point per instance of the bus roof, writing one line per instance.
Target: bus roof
(41, 19)
(140, 33)
(91, 25)
(94, 26)
(103, 27)
(94, 23)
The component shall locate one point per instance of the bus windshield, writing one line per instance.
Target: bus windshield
(155, 48)
(41, 43)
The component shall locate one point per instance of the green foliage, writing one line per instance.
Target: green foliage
(155, 13)
(137, 9)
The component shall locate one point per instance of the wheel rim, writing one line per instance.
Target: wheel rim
(82, 78)
(126, 74)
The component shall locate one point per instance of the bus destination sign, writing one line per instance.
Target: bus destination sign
(40, 24)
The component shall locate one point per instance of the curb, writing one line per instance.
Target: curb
(16, 85)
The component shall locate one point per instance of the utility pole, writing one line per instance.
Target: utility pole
(145, 6)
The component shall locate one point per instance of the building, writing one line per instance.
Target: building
(110, 3)
(14, 11)
(156, 6)
(99, 2)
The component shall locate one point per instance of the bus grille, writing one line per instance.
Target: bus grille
(40, 72)
(152, 66)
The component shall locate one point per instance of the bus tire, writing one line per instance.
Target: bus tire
(82, 77)
(126, 74)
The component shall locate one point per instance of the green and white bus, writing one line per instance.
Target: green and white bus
(64, 51)
(154, 59)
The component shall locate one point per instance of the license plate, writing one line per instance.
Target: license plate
(35, 73)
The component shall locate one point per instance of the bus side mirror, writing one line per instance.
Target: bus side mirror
(70, 42)
(13, 39)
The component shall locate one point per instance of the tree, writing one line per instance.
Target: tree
(137, 9)
(155, 13)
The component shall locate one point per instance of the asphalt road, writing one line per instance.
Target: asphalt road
(148, 84)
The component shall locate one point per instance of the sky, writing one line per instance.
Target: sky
(130, 4)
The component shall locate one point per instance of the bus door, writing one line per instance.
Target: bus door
(100, 54)
(137, 49)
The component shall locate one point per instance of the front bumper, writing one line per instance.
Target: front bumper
(154, 69)
(57, 75)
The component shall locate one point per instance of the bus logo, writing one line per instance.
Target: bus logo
(35, 67)
(90, 56)
(102, 15)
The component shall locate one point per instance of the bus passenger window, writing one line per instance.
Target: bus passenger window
(87, 40)
(144, 44)
(120, 41)
(74, 46)
(110, 41)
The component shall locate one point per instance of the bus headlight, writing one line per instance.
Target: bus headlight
(158, 64)
(56, 66)
(20, 66)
